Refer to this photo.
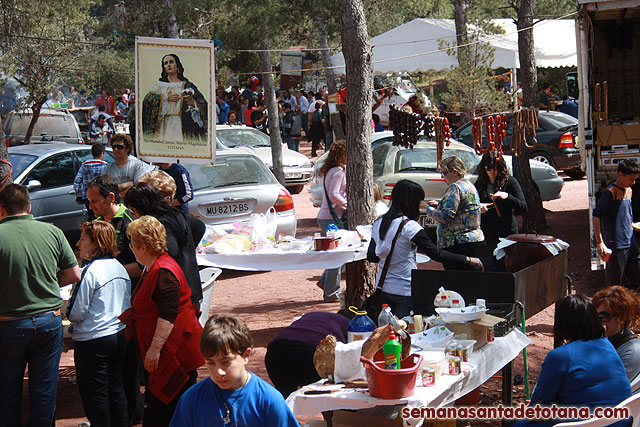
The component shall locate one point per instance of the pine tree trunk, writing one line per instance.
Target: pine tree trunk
(272, 109)
(460, 8)
(172, 25)
(5, 169)
(534, 218)
(37, 106)
(359, 70)
(326, 54)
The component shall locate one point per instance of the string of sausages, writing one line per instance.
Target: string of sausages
(602, 116)
(525, 123)
(442, 136)
(495, 131)
(406, 126)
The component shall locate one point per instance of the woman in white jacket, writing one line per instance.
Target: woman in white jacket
(101, 295)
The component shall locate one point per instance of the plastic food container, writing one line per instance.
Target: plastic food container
(433, 359)
(437, 336)
(324, 243)
(466, 314)
(468, 344)
(392, 383)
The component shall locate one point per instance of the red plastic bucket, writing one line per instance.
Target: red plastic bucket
(392, 383)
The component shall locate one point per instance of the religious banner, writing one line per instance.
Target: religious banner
(175, 100)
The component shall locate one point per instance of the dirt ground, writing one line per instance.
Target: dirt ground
(268, 301)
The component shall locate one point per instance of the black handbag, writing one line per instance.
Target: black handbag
(373, 303)
(341, 222)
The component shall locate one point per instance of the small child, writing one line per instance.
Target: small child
(231, 395)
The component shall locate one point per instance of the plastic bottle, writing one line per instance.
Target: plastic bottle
(360, 327)
(410, 323)
(392, 352)
(331, 230)
(385, 316)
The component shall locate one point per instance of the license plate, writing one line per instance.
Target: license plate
(228, 209)
(427, 222)
(293, 175)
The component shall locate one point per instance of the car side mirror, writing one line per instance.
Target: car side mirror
(33, 184)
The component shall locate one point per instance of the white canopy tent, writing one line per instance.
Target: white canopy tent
(414, 46)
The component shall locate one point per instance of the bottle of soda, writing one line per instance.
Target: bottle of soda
(385, 317)
(392, 352)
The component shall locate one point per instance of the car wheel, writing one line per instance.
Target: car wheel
(576, 173)
(295, 190)
(542, 157)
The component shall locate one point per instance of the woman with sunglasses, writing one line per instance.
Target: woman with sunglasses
(619, 312)
(457, 214)
(583, 369)
(500, 198)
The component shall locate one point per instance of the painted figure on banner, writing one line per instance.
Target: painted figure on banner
(174, 109)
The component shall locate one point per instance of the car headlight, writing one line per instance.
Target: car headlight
(551, 171)
(306, 165)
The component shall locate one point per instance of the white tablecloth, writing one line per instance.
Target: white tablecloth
(290, 260)
(482, 364)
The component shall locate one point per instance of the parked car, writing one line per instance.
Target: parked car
(297, 167)
(557, 137)
(237, 185)
(48, 171)
(392, 163)
(52, 126)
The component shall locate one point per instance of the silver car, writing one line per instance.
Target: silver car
(235, 186)
(297, 167)
(392, 163)
(48, 171)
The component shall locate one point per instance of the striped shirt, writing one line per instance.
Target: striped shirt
(87, 172)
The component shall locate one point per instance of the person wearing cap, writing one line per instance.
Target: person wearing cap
(259, 118)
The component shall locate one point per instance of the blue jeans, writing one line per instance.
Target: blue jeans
(400, 305)
(330, 277)
(36, 341)
(292, 143)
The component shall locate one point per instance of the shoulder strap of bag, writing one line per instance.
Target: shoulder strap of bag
(331, 211)
(387, 260)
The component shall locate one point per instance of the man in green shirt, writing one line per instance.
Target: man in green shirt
(35, 260)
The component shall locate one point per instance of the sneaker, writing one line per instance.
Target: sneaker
(332, 298)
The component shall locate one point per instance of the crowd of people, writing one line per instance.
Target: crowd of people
(134, 306)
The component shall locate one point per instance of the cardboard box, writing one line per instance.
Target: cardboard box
(607, 135)
(475, 330)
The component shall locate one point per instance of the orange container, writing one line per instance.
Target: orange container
(392, 383)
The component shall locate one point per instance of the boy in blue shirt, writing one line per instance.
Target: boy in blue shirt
(231, 396)
(612, 219)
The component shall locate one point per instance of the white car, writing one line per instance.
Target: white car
(237, 185)
(297, 167)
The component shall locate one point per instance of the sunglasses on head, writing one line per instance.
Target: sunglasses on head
(605, 316)
(117, 147)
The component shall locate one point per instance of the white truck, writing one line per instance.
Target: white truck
(608, 46)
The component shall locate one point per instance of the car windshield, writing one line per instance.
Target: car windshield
(558, 120)
(229, 171)
(19, 162)
(243, 137)
(424, 159)
(52, 125)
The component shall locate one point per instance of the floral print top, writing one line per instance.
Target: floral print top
(458, 215)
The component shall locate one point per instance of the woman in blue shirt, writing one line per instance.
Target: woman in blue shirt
(584, 368)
